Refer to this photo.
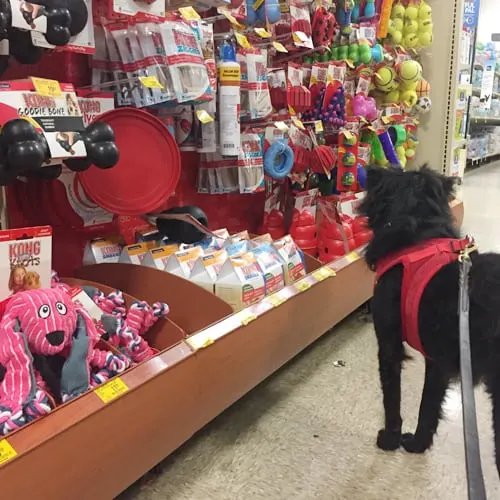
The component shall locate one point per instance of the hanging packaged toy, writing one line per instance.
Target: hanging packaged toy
(185, 60)
(347, 161)
(251, 164)
(259, 100)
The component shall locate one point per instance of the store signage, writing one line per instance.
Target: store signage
(487, 84)
(471, 13)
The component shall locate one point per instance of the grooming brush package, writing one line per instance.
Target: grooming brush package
(27, 259)
(251, 164)
(271, 267)
(58, 118)
(240, 282)
(134, 254)
(102, 251)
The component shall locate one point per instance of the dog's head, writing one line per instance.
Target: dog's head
(31, 280)
(404, 208)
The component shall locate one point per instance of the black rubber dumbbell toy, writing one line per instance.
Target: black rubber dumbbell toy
(58, 21)
(22, 148)
(99, 140)
(178, 231)
(21, 47)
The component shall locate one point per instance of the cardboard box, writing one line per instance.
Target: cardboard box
(271, 266)
(134, 254)
(158, 257)
(240, 282)
(181, 263)
(292, 262)
(102, 250)
(206, 269)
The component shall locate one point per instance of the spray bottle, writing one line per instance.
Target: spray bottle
(229, 101)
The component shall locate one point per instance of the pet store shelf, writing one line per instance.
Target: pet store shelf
(480, 160)
(485, 121)
(211, 358)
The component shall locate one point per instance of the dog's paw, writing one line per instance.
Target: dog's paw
(388, 440)
(412, 444)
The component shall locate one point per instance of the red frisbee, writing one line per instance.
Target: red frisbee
(148, 170)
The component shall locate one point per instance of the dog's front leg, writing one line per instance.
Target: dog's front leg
(435, 386)
(390, 358)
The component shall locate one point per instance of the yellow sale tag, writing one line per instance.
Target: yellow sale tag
(323, 273)
(231, 19)
(242, 40)
(386, 120)
(300, 36)
(262, 32)
(247, 317)
(6, 451)
(276, 300)
(111, 390)
(46, 88)
(348, 135)
(257, 4)
(279, 47)
(318, 126)
(189, 14)
(302, 286)
(351, 257)
(350, 63)
(281, 126)
(203, 116)
(298, 123)
(291, 111)
(151, 82)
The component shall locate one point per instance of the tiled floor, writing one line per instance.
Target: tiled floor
(308, 432)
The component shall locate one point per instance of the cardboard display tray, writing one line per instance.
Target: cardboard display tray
(100, 443)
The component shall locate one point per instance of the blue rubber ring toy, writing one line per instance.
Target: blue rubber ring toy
(278, 160)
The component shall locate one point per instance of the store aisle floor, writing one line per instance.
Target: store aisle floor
(308, 432)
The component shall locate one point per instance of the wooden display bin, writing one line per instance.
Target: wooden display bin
(210, 357)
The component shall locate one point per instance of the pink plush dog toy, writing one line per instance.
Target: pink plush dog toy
(45, 322)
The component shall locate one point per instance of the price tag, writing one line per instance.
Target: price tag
(231, 19)
(276, 300)
(352, 257)
(189, 14)
(203, 116)
(291, 111)
(302, 286)
(348, 135)
(279, 47)
(46, 88)
(6, 451)
(323, 273)
(257, 4)
(262, 32)
(151, 82)
(318, 126)
(281, 126)
(298, 123)
(242, 40)
(247, 317)
(111, 390)
(300, 36)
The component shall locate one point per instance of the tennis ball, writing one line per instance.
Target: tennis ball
(410, 41)
(410, 154)
(409, 97)
(411, 13)
(385, 79)
(411, 26)
(424, 11)
(398, 11)
(392, 97)
(397, 24)
(423, 88)
(349, 141)
(410, 71)
(349, 159)
(396, 37)
(425, 39)
(403, 85)
(425, 27)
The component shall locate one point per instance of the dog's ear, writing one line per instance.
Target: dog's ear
(449, 185)
(374, 176)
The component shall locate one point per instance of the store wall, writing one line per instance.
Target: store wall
(489, 20)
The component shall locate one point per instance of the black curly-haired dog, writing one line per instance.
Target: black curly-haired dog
(405, 209)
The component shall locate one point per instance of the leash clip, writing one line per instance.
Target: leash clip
(470, 248)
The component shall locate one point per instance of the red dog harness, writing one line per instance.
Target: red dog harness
(420, 264)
